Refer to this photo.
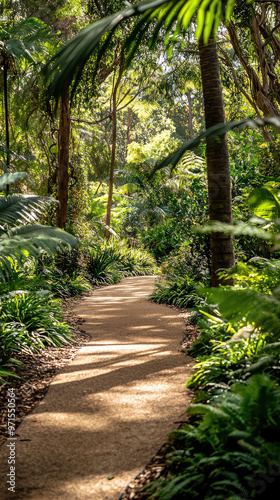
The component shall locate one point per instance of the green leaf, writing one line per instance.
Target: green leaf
(6, 179)
(18, 208)
(213, 133)
(17, 49)
(264, 204)
(20, 242)
(68, 64)
(243, 229)
(229, 9)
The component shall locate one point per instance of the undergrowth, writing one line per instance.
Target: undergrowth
(231, 446)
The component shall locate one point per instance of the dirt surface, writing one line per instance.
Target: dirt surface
(107, 413)
(39, 369)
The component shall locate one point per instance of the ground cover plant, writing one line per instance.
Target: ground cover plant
(109, 263)
(29, 319)
(231, 446)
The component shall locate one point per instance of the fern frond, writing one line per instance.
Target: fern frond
(22, 209)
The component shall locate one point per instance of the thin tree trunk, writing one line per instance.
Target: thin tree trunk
(190, 116)
(63, 159)
(113, 150)
(98, 187)
(219, 187)
(129, 121)
(6, 167)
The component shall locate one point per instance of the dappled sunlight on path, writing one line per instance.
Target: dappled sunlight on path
(107, 413)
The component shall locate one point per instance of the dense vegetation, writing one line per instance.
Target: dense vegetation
(124, 124)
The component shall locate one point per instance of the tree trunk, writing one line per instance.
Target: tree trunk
(219, 188)
(63, 159)
(129, 122)
(113, 150)
(6, 168)
(190, 116)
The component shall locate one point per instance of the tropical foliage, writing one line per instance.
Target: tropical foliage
(19, 241)
(164, 113)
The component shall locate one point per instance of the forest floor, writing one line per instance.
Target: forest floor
(107, 413)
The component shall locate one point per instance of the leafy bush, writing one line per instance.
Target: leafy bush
(225, 454)
(101, 267)
(180, 293)
(235, 361)
(132, 261)
(13, 339)
(161, 238)
(46, 274)
(109, 263)
(37, 313)
(190, 261)
(62, 285)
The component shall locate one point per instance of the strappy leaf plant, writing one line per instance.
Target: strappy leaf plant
(19, 236)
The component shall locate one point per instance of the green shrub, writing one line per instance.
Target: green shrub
(259, 273)
(62, 285)
(13, 339)
(46, 275)
(132, 261)
(224, 454)
(235, 361)
(180, 293)
(190, 261)
(102, 267)
(110, 262)
(37, 313)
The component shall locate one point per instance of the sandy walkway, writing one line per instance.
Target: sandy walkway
(107, 413)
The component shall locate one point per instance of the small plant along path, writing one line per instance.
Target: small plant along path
(107, 413)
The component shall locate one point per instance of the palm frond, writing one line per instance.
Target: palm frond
(18, 208)
(6, 179)
(211, 134)
(240, 229)
(21, 242)
(67, 65)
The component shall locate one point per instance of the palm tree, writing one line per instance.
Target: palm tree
(218, 174)
(71, 59)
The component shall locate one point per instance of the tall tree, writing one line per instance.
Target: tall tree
(218, 175)
(63, 158)
(116, 85)
(254, 34)
(168, 13)
(16, 43)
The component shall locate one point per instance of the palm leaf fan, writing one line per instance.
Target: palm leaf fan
(19, 243)
(67, 65)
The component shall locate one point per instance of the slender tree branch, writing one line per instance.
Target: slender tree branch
(229, 64)
(87, 122)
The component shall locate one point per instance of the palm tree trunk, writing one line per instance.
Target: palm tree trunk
(219, 187)
(63, 159)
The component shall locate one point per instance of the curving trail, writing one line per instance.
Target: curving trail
(108, 412)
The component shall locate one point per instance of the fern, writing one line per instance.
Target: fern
(18, 242)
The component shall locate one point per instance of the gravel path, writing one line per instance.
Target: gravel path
(107, 413)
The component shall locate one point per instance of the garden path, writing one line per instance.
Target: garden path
(105, 414)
